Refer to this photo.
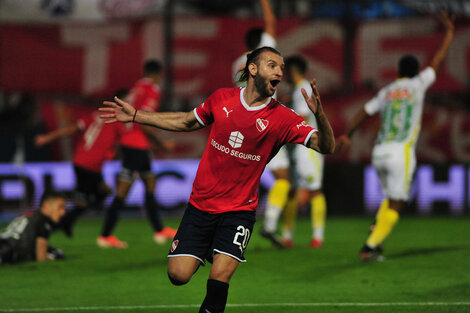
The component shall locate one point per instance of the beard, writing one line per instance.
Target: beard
(261, 85)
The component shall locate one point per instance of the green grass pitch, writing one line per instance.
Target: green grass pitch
(427, 269)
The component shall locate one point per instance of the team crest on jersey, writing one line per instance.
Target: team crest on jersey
(174, 244)
(261, 124)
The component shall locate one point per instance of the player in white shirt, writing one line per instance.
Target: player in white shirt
(309, 166)
(256, 38)
(400, 105)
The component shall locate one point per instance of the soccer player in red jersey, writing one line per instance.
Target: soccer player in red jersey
(95, 146)
(136, 160)
(248, 129)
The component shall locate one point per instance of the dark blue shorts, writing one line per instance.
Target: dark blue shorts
(201, 234)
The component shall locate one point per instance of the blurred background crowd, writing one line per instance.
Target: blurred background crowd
(59, 59)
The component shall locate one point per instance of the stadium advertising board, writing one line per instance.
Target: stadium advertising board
(441, 189)
(22, 185)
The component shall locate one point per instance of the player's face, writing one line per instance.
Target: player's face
(57, 209)
(270, 72)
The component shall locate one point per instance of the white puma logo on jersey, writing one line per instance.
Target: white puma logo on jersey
(226, 111)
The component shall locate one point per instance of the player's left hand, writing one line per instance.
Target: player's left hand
(169, 146)
(342, 143)
(119, 111)
(313, 102)
(40, 140)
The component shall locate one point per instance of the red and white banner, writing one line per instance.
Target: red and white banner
(97, 59)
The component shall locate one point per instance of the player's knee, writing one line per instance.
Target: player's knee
(177, 279)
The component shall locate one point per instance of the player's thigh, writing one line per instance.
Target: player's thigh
(181, 268)
(233, 234)
(195, 235)
(223, 267)
(149, 180)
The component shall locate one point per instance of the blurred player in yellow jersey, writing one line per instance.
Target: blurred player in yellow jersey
(400, 105)
(309, 164)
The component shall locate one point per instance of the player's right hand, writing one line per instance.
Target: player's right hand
(119, 111)
(342, 143)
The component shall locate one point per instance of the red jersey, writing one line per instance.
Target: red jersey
(145, 95)
(242, 141)
(96, 144)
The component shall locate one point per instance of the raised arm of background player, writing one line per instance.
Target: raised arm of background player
(269, 18)
(322, 141)
(343, 141)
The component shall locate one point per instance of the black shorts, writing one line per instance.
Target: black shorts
(201, 234)
(89, 188)
(135, 160)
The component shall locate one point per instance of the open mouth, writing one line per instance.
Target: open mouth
(274, 82)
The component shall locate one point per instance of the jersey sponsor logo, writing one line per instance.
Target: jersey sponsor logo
(227, 111)
(261, 124)
(236, 139)
(235, 153)
(303, 124)
(174, 245)
(398, 94)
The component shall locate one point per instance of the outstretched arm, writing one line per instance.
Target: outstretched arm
(448, 23)
(121, 111)
(344, 140)
(41, 140)
(269, 18)
(322, 141)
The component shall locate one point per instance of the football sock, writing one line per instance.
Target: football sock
(287, 234)
(382, 209)
(290, 214)
(318, 213)
(277, 199)
(216, 297)
(383, 227)
(152, 212)
(111, 216)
